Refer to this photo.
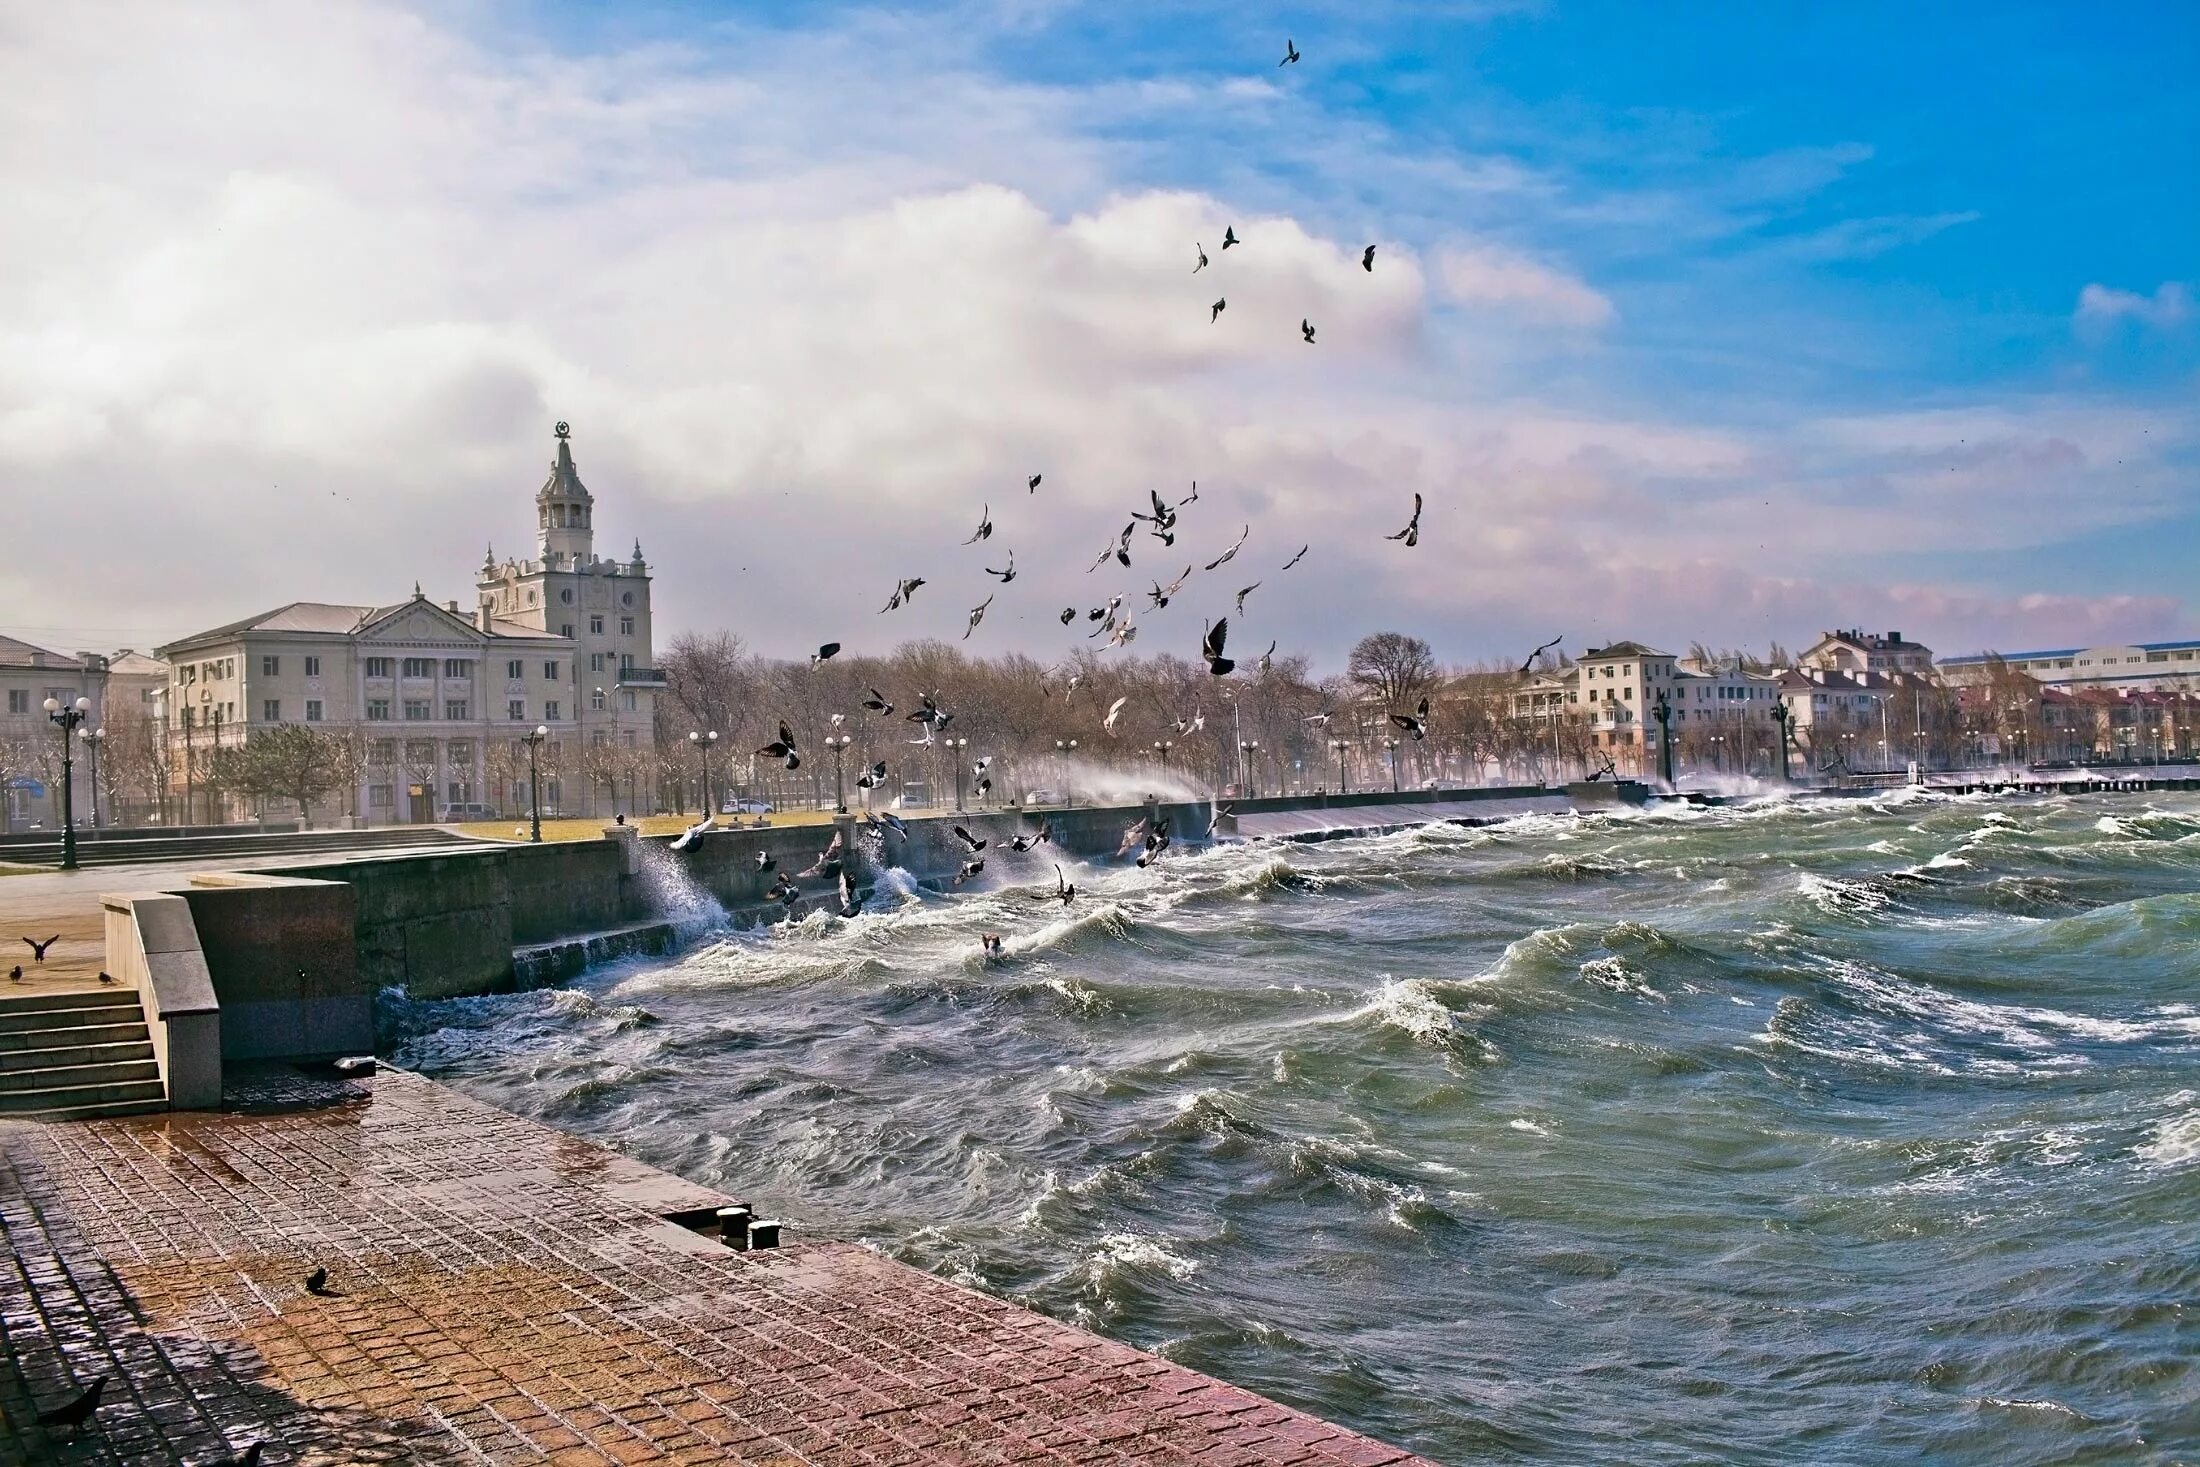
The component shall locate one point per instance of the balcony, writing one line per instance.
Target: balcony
(641, 677)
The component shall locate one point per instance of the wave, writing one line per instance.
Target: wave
(2175, 1142)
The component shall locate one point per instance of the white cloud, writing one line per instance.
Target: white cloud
(2169, 307)
(1488, 275)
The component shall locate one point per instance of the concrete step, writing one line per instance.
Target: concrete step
(145, 1093)
(93, 1031)
(92, 1111)
(59, 1056)
(66, 1076)
(55, 1011)
(106, 996)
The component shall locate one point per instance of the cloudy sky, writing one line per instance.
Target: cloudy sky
(1728, 327)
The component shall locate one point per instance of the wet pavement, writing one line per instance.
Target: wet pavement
(501, 1292)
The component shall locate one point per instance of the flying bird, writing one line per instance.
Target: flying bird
(38, 949)
(873, 777)
(1294, 560)
(1037, 838)
(828, 863)
(1267, 658)
(823, 655)
(75, 1411)
(1414, 723)
(929, 714)
(1229, 235)
(904, 592)
(1134, 837)
(1290, 52)
(985, 526)
(1157, 842)
(1221, 813)
(765, 861)
(969, 869)
(1306, 329)
(1241, 595)
(691, 835)
(1202, 257)
(878, 703)
(783, 747)
(1210, 648)
(1031, 485)
(1005, 576)
(1319, 720)
(1367, 259)
(1115, 711)
(1411, 534)
(1161, 595)
(1529, 661)
(1069, 614)
(1063, 891)
(850, 903)
(1216, 314)
(1231, 554)
(975, 843)
(989, 943)
(977, 614)
(893, 822)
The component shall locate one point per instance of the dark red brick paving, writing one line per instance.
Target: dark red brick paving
(506, 1294)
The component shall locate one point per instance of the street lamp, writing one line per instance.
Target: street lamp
(1162, 747)
(1063, 748)
(93, 738)
(67, 718)
(838, 743)
(1663, 710)
(1338, 746)
(701, 743)
(1780, 716)
(533, 742)
(1250, 750)
(1392, 745)
(955, 749)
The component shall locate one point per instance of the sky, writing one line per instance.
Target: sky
(1718, 323)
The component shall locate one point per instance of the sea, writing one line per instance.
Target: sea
(1795, 1131)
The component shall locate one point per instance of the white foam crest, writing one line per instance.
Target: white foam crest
(1116, 1253)
(1522, 1123)
(2175, 1142)
(1841, 897)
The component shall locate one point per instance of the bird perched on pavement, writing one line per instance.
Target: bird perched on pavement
(77, 1410)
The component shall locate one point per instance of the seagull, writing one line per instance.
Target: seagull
(1529, 661)
(1294, 560)
(1063, 891)
(1411, 534)
(823, 655)
(1367, 259)
(1216, 314)
(1229, 235)
(1115, 711)
(317, 1281)
(1415, 723)
(985, 526)
(689, 836)
(1069, 614)
(873, 777)
(904, 591)
(1231, 554)
(850, 903)
(1039, 837)
(879, 704)
(75, 1411)
(1031, 485)
(1249, 590)
(1005, 576)
(1290, 52)
(1306, 329)
(969, 869)
(765, 861)
(38, 949)
(975, 843)
(977, 614)
(1210, 648)
(1202, 257)
(783, 747)
(1267, 658)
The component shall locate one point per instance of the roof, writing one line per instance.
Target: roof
(1622, 649)
(330, 619)
(565, 480)
(1969, 658)
(129, 662)
(14, 653)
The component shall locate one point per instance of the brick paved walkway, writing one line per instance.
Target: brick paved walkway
(506, 1293)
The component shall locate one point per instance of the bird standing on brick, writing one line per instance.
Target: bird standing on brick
(77, 1410)
(38, 949)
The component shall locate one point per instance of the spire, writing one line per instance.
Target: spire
(416, 592)
(565, 480)
(637, 550)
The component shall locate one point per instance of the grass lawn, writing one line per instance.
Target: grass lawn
(516, 829)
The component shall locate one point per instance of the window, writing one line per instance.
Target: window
(229, 667)
(454, 709)
(515, 670)
(626, 626)
(565, 595)
(627, 599)
(461, 792)
(378, 667)
(416, 710)
(626, 737)
(595, 661)
(313, 710)
(550, 711)
(550, 671)
(462, 752)
(565, 630)
(271, 710)
(420, 752)
(382, 752)
(313, 667)
(378, 710)
(626, 698)
(626, 663)
(595, 626)
(19, 700)
(379, 796)
(458, 667)
(420, 667)
(516, 710)
(271, 666)
(596, 700)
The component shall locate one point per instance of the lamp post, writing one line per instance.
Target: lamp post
(838, 743)
(67, 717)
(1249, 751)
(1063, 748)
(1161, 747)
(955, 749)
(214, 768)
(93, 738)
(1338, 746)
(1663, 709)
(701, 743)
(1780, 716)
(533, 741)
(1392, 746)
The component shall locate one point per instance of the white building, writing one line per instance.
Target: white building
(1858, 651)
(2138, 667)
(30, 742)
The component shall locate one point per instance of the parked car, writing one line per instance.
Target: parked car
(746, 807)
(470, 810)
(1042, 797)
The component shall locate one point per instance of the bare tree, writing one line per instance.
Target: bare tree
(1392, 667)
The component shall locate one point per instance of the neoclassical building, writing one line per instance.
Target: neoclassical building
(431, 698)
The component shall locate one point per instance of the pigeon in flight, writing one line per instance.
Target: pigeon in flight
(692, 834)
(1267, 658)
(783, 747)
(1290, 52)
(1132, 838)
(1202, 257)
(786, 893)
(1156, 843)
(1319, 720)
(929, 714)
(765, 861)
(1367, 259)
(1229, 235)
(1031, 485)
(879, 704)
(828, 864)
(985, 526)
(1210, 648)
(969, 869)
(1115, 711)
(823, 655)
(38, 949)
(850, 903)
(1005, 576)
(1216, 314)
(1124, 635)
(1414, 723)
(1038, 837)
(893, 822)
(1306, 329)
(1069, 614)
(1241, 595)
(904, 592)
(872, 778)
(1411, 534)
(975, 843)
(1161, 595)
(1529, 661)
(1063, 891)
(1214, 821)
(1231, 554)
(1191, 498)
(977, 614)
(1294, 560)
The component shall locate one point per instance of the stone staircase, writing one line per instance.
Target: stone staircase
(66, 1056)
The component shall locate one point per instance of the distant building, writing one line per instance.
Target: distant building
(1857, 651)
(30, 743)
(2136, 666)
(1849, 714)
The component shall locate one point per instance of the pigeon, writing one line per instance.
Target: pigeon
(1367, 259)
(1294, 560)
(1031, 485)
(1161, 594)
(872, 778)
(969, 869)
(1063, 891)
(1529, 661)
(786, 893)
(1214, 821)
(765, 861)
(1156, 843)
(893, 822)
(783, 747)
(904, 592)
(1411, 534)
(1290, 52)
(1202, 257)
(1306, 329)
(1124, 635)
(1005, 575)
(1123, 546)
(828, 862)
(1267, 658)
(837, 719)
(977, 614)
(1115, 711)
(1134, 837)
(879, 704)
(77, 1410)
(105, 976)
(1215, 314)
(823, 655)
(929, 714)
(38, 949)
(15, 974)
(1069, 614)
(850, 903)
(1249, 590)
(690, 835)
(990, 944)
(1231, 554)
(1229, 235)
(249, 1457)
(1191, 498)
(1319, 720)
(1038, 837)
(983, 788)
(317, 1281)
(1210, 649)
(1415, 723)
(985, 526)
(969, 840)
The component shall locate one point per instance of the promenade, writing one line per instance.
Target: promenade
(501, 1292)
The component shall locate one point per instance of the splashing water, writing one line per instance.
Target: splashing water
(675, 895)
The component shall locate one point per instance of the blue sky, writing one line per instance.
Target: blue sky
(1724, 322)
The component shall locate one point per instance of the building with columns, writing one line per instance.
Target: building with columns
(31, 744)
(428, 700)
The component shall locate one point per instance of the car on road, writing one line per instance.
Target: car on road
(746, 807)
(1042, 797)
(469, 810)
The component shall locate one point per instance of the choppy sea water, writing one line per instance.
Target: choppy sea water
(1795, 1132)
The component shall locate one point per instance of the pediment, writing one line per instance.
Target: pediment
(418, 622)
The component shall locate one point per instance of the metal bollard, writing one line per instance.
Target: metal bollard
(733, 1225)
(764, 1233)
